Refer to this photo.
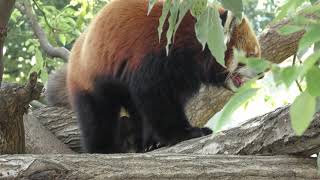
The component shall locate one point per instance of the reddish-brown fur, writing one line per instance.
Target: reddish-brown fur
(133, 40)
(102, 49)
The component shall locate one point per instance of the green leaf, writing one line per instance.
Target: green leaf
(210, 31)
(289, 75)
(311, 9)
(39, 62)
(44, 75)
(302, 111)
(313, 1)
(310, 37)
(242, 96)
(174, 10)
(289, 29)
(316, 46)
(164, 14)
(236, 7)
(276, 74)
(62, 39)
(151, 4)
(288, 8)
(257, 64)
(313, 78)
(199, 7)
(309, 62)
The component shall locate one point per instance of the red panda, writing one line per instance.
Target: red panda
(119, 62)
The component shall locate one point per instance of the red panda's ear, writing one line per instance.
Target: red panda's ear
(223, 17)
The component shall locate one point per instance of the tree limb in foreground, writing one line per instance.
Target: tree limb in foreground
(157, 166)
(270, 134)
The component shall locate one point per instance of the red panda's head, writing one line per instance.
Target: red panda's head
(240, 37)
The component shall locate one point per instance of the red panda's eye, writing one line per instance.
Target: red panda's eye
(251, 54)
(241, 65)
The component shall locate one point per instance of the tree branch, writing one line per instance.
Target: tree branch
(270, 134)
(157, 166)
(52, 51)
(39, 140)
(14, 104)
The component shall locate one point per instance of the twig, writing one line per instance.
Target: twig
(44, 15)
(293, 64)
(52, 51)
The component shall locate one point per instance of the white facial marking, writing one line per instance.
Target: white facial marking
(230, 85)
(227, 24)
(227, 38)
(246, 72)
(233, 66)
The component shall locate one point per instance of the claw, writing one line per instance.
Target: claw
(150, 148)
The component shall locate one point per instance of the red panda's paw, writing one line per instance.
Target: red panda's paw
(195, 132)
(154, 146)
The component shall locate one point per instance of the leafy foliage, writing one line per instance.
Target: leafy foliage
(209, 31)
(62, 21)
(301, 112)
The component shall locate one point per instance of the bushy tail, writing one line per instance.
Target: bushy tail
(56, 89)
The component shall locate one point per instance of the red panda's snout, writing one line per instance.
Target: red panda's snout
(242, 39)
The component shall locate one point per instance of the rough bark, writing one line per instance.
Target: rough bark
(39, 140)
(14, 103)
(160, 166)
(6, 7)
(270, 134)
(62, 123)
(206, 103)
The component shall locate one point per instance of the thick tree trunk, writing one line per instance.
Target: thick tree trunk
(14, 103)
(6, 7)
(159, 166)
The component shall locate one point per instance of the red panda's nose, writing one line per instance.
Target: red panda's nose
(240, 65)
(260, 75)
